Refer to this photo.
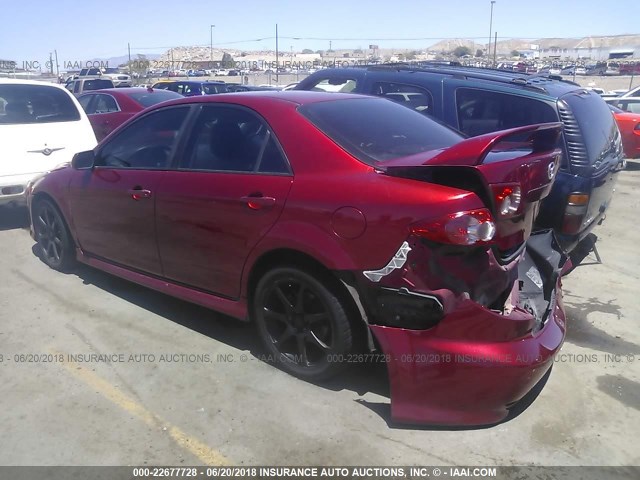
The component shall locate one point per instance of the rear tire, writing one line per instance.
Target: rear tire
(55, 245)
(302, 322)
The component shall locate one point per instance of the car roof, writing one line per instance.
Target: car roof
(194, 82)
(298, 97)
(545, 84)
(123, 90)
(17, 81)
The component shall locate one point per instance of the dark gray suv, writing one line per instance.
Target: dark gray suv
(477, 101)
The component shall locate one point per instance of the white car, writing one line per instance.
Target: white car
(42, 126)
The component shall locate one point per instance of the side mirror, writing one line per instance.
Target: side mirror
(83, 160)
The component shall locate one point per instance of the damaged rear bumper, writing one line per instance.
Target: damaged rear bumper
(475, 363)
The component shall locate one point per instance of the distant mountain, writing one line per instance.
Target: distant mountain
(116, 61)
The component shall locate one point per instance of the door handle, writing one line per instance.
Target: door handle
(138, 193)
(258, 202)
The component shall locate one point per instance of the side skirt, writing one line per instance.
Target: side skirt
(232, 308)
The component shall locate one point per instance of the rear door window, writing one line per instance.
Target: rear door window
(343, 84)
(411, 96)
(233, 140)
(632, 106)
(36, 104)
(105, 104)
(189, 89)
(210, 89)
(485, 111)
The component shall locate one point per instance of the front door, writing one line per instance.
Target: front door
(113, 204)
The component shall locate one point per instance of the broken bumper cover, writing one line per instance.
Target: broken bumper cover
(476, 363)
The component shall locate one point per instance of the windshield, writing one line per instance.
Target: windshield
(21, 104)
(375, 130)
(147, 98)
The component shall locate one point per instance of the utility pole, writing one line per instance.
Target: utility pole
(211, 47)
(490, 31)
(58, 66)
(129, 50)
(277, 73)
(51, 62)
(495, 46)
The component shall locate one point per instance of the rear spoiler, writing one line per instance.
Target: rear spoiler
(541, 138)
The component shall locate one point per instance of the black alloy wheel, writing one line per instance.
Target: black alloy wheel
(302, 323)
(54, 242)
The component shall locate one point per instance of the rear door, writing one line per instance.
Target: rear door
(113, 204)
(231, 185)
(106, 114)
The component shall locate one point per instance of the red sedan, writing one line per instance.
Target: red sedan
(111, 107)
(338, 224)
(629, 125)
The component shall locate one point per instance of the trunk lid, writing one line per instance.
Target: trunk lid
(510, 170)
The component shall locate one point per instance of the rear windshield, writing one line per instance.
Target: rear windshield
(146, 98)
(375, 130)
(21, 104)
(97, 84)
(596, 122)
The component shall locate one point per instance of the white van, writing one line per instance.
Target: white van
(41, 126)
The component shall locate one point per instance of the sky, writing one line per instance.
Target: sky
(84, 30)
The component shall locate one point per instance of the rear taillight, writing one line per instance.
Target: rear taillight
(473, 227)
(574, 214)
(508, 199)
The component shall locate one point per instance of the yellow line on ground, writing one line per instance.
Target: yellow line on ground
(206, 454)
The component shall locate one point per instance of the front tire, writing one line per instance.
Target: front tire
(55, 246)
(302, 322)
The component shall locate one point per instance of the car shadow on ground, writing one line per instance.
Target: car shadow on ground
(586, 334)
(12, 218)
(359, 378)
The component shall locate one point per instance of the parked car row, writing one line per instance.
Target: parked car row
(108, 108)
(411, 225)
(190, 88)
(602, 68)
(117, 77)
